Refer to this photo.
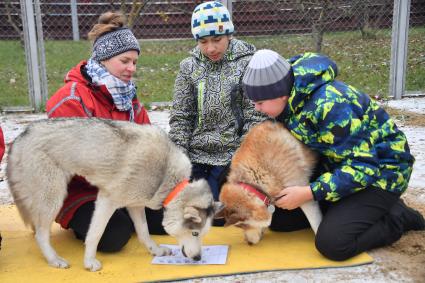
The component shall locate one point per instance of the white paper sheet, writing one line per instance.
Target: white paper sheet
(210, 255)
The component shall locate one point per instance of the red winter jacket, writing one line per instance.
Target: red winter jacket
(2, 147)
(79, 98)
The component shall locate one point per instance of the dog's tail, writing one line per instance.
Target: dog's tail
(37, 184)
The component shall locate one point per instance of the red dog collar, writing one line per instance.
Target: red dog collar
(263, 197)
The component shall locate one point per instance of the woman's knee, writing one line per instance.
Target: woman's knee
(117, 233)
(154, 219)
(109, 243)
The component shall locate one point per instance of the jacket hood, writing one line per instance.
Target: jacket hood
(311, 71)
(75, 75)
(236, 49)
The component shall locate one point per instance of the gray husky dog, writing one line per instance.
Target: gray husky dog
(134, 166)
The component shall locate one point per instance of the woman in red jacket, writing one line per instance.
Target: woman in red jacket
(2, 146)
(102, 87)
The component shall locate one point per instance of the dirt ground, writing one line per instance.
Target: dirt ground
(403, 261)
(407, 256)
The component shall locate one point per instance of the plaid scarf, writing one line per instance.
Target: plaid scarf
(122, 93)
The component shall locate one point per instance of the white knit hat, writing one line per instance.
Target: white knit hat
(210, 19)
(267, 76)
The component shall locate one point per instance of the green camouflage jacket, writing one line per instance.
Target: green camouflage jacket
(359, 144)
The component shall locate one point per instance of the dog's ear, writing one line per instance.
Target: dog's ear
(218, 210)
(192, 214)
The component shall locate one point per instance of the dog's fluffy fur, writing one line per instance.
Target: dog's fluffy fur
(269, 159)
(134, 166)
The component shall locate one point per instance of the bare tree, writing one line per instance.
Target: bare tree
(361, 8)
(319, 24)
(175, 8)
(321, 14)
(135, 9)
(8, 9)
(317, 13)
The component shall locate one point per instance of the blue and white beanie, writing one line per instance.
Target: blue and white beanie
(267, 76)
(211, 19)
(114, 43)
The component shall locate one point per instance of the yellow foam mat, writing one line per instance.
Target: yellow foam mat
(22, 261)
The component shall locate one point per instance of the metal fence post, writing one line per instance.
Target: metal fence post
(228, 4)
(31, 54)
(399, 48)
(74, 17)
(41, 52)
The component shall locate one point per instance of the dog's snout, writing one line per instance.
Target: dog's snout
(195, 258)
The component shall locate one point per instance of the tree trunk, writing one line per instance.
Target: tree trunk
(8, 8)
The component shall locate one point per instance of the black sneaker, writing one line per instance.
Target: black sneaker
(411, 218)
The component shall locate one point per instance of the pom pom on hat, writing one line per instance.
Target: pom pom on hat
(267, 76)
(211, 19)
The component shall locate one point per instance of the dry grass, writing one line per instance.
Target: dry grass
(408, 118)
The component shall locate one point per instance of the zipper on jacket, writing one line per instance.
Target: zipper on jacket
(200, 97)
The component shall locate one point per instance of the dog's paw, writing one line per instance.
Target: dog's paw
(92, 264)
(59, 262)
(253, 236)
(160, 251)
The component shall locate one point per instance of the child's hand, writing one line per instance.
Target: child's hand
(293, 197)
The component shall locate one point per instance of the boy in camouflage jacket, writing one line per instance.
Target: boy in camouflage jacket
(365, 161)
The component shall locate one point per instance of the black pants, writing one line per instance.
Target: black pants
(119, 228)
(216, 176)
(365, 220)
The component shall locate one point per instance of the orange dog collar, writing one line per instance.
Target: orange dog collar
(177, 189)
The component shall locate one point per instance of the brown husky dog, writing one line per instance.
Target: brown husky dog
(268, 160)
